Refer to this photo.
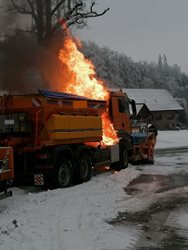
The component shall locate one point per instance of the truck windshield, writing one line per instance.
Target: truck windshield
(123, 105)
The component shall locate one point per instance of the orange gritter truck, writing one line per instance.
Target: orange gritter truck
(55, 138)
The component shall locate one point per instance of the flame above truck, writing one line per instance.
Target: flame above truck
(81, 80)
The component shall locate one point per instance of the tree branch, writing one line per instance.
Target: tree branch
(20, 9)
(69, 4)
(57, 7)
(78, 17)
(74, 9)
(32, 10)
(91, 13)
(91, 8)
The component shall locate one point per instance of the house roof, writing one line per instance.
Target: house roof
(142, 111)
(139, 107)
(155, 99)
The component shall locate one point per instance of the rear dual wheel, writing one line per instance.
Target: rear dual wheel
(82, 173)
(64, 173)
(84, 170)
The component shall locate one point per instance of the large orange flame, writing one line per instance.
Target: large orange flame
(83, 82)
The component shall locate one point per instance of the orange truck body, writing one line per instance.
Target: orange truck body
(46, 129)
(47, 114)
(6, 170)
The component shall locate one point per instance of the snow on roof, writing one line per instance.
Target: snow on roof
(139, 107)
(155, 99)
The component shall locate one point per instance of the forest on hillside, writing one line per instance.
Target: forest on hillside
(119, 70)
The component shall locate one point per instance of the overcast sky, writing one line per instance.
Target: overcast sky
(143, 29)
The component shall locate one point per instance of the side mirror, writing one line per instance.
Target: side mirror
(133, 107)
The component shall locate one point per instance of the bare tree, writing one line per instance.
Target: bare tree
(49, 15)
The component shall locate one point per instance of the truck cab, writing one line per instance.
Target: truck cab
(140, 146)
(121, 110)
(120, 113)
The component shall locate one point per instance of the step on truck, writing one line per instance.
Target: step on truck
(56, 137)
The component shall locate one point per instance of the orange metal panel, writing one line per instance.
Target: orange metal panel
(40, 109)
(72, 127)
(79, 104)
(7, 164)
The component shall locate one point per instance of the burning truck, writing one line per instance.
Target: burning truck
(59, 137)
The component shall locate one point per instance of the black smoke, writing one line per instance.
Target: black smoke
(26, 66)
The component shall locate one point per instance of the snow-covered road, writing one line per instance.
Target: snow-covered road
(158, 207)
(79, 218)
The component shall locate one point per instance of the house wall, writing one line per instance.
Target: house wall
(164, 119)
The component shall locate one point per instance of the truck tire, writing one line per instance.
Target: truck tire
(124, 161)
(84, 168)
(64, 173)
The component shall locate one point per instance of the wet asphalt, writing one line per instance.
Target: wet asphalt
(162, 224)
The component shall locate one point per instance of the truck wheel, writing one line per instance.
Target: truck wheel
(64, 174)
(124, 159)
(84, 168)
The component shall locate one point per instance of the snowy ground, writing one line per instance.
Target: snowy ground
(72, 218)
(78, 218)
(172, 139)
